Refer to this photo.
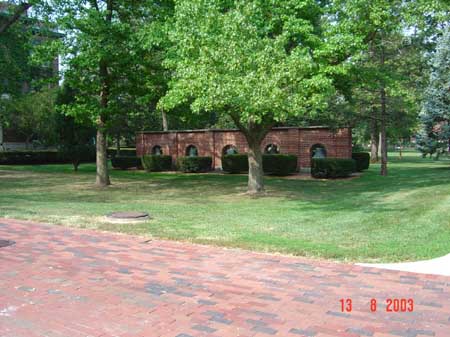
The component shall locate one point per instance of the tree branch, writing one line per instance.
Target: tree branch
(95, 5)
(20, 9)
(109, 10)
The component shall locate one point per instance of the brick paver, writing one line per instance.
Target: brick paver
(59, 282)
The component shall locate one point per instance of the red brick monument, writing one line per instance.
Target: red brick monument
(299, 141)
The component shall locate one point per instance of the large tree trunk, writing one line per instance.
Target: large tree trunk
(373, 140)
(165, 122)
(254, 134)
(102, 178)
(383, 117)
(255, 168)
(383, 140)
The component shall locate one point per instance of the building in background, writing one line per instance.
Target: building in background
(304, 142)
(19, 77)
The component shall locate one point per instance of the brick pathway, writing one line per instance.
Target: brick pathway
(63, 282)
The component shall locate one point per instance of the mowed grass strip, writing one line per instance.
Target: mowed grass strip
(405, 216)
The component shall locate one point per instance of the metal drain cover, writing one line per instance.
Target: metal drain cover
(6, 243)
(128, 215)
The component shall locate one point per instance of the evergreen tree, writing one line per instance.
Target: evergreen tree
(435, 134)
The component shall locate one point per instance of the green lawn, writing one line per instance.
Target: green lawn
(405, 216)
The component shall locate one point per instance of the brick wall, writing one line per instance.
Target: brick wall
(292, 140)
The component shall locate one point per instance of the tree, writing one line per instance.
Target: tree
(15, 67)
(104, 59)
(32, 116)
(435, 115)
(75, 136)
(388, 72)
(259, 62)
(25, 87)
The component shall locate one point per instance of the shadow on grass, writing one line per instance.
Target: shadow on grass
(367, 193)
(332, 218)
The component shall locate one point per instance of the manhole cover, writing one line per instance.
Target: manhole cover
(6, 243)
(127, 216)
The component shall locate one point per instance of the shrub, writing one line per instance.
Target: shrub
(77, 154)
(235, 163)
(194, 164)
(153, 163)
(275, 164)
(332, 167)
(125, 162)
(32, 158)
(279, 164)
(362, 160)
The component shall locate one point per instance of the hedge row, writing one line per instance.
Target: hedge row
(41, 157)
(194, 164)
(157, 163)
(235, 163)
(362, 160)
(126, 162)
(327, 168)
(279, 164)
(274, 164)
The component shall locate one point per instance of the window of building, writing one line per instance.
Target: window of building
(271, 149)
(229, 149)
(157, 150)
(318, 151)
(191, 151)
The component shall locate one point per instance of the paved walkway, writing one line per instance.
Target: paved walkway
(59, 282)
(437, 266)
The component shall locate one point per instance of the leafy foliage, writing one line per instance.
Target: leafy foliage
(279, 164)
(157, 163)
(106, 62)
(30, 158)
(259, 62)
(33, 116)
(273, 164)
(75, 135)
(435, 134)
(235, 163)
(384, 90)
(256, 61)
(14, 61)
(125, 162)
(362, 160)
(194, 164)
(326, 168)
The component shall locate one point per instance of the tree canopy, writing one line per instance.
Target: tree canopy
(260, 62)
(105, 62)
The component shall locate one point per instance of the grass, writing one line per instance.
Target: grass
(404, 216)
